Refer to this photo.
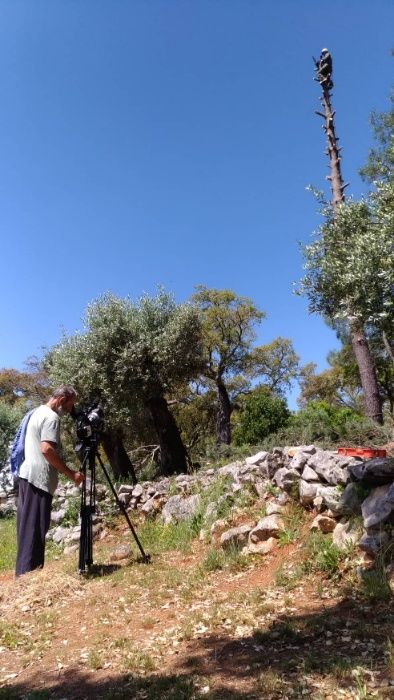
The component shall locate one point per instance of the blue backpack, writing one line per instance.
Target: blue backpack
(17, 452)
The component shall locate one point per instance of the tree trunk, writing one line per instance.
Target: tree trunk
(118, 458)
(223, 424)
(173, 455)
(366, 367)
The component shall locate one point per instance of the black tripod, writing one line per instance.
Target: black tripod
(89, 454)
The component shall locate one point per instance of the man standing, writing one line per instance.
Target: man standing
(38, 478)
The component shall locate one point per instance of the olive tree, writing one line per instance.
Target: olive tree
(131, 356)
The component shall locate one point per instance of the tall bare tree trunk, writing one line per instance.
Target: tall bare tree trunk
(365, 363)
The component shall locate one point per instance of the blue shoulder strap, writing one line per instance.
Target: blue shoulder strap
(18, 446)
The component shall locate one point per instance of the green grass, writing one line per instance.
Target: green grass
(157, 537)
(322, 554)
(293, 520)
(11, 637)
(8, 545)
(230, 558)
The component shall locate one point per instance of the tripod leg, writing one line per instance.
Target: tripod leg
(122, 508)
(86, 537)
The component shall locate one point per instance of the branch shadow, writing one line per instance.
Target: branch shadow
(288, 657)
(77, 685)
(298, 651)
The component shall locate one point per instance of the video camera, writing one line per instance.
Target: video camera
(89, 421)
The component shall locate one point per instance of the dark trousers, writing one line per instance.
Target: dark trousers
(32, 524)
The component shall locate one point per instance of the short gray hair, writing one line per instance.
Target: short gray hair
(65, 391)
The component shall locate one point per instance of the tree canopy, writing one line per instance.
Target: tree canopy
(130, 356)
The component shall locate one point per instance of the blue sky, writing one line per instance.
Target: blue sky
(171, 142)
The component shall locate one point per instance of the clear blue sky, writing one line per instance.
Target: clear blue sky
(170, 142)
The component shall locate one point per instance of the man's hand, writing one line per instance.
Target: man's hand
(49, 450)
(78, 478)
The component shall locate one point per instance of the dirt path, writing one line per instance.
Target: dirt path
(170, 630)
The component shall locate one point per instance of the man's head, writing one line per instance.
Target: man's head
(63, 400)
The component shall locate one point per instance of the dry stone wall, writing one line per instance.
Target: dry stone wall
(342, 491)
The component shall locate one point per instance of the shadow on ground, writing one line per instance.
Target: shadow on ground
(346, 645)
(350, 644)
(77, 685)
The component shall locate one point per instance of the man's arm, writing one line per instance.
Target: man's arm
(52, 456)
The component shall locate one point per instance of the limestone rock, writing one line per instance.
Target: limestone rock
(374, 472)
(269, 526)
(286, 478)
(262, 547)
(153, 505)
(236, 536)
(177, 508)
(257, 458)
(379, 506)
(345, 534)
(373, 542)
(329, 469)
(323, 523)
(273, 507)
(307, 492)
(309, 474)
(122, 551)
(217, 529)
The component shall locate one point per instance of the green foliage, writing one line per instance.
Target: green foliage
(261, 414)
(71, 515)
(375, 586)
(24, 388)
(227, 325)
(230, 558)
(10, 417)
(276, 364)
(158, 537)
(130, 352)
(323, 420)
(293, 520)
(323, 554)
(350, 265)
(339, 385)
(195, 415)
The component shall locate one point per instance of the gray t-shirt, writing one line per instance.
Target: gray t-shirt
(44, 425)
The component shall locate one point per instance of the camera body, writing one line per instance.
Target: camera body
(89, 421)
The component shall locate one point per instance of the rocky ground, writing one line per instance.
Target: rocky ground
(242, 599)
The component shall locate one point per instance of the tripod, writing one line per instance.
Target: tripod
(88, 504)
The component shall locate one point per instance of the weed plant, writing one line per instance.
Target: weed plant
(230, 558)
(71, 515)
(322, 555)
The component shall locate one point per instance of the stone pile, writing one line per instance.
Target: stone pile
(342, 490)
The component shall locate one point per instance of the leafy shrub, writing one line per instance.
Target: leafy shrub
(327, 425)
(262, 413)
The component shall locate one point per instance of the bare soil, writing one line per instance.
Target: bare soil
(172, 630)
